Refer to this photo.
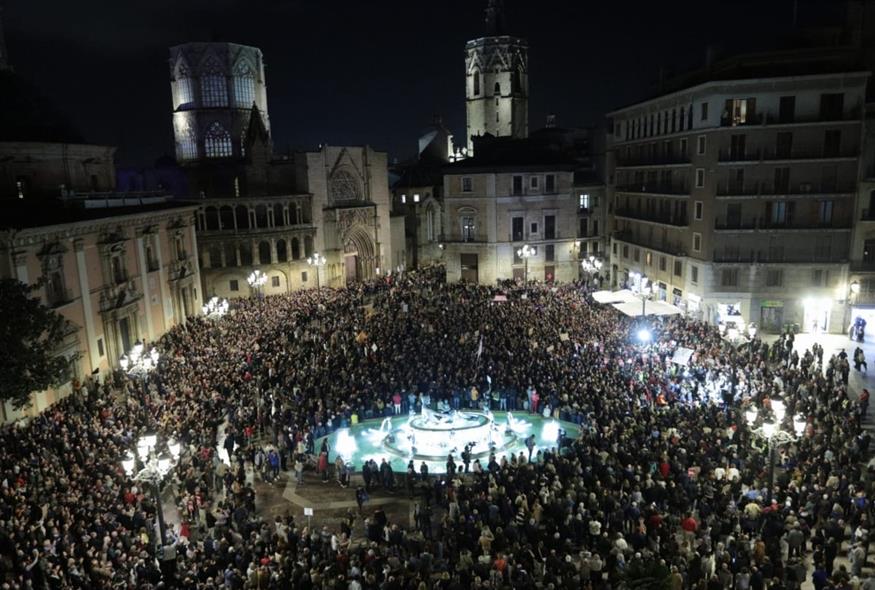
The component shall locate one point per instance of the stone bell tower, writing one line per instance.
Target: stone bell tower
(496, 81)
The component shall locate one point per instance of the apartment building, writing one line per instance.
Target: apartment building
(735, 193)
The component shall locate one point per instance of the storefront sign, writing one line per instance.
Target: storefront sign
(771, 303)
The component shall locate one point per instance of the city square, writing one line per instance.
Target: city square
(266, 335)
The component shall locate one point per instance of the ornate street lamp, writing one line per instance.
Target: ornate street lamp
(318, 260)
(138, 363)
(256, 280)
(525, 253)
(150, 467)
(215, 308)
(774, 434)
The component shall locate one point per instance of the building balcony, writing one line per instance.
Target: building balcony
(763, 224)
(801, 189)
(58, 298)
(847, 115)
(736, 155)
(738, 225)
(759, 257)
(810, 154)
(660, 218)
(651, 161)
(655, 188)
(671, 247)
(863, 266)
(755, 156)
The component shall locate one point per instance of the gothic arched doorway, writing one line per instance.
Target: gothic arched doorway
(358, 256)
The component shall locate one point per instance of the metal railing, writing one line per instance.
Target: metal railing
(768, 188)
(655, 188)
(670, 219)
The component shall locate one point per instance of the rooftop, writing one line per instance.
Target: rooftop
(28, 214)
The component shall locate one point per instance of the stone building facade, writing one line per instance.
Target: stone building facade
(337, 204)
(118, 275)
(735, 196)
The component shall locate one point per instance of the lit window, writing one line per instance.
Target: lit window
(403, 199)
(244, 86)
(416, 197)
(584, 201)
(188, 145)
(214, 90)
(217, 141)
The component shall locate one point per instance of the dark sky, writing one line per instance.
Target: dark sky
(366, 71)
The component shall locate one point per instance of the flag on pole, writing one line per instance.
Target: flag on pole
(480, 347)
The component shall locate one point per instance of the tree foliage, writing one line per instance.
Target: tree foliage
(29, 334)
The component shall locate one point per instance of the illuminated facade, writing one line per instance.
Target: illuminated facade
(119, 273)
(735, 195)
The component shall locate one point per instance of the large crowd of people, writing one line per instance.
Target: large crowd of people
(666, 487)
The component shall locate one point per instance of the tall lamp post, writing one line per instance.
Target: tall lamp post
(215, 308)
(644, 290)
(317, 260)
(150, 468)
(592, 266)
(525, 253)
(256, 280)
(774, 434)
(138, 363)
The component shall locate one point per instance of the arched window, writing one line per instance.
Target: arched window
(497, 90)
(429, 224)
(244, 85)
(476, 83)
(184, 90)
(186, 144)
(214, 87)
(296, 249)
(264, 252)
(278, 220)
(242, 214)
(260, 216)
(226, 216)
(217, 142)
(281, 254)
(308, 245)
(245, 254)
(212, 216)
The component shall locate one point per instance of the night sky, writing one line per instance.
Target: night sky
(372, 71)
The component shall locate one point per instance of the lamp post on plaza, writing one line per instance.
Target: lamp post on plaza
(317, 260)
(215, 308)
(138, 364)
(256, 280)
(774, 434)
(150, 468)
(644, 290)
(591, 266)
(525, 253)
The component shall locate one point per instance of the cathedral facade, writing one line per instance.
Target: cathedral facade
(261, 211)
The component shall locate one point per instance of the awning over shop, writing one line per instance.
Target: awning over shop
(633, 308)
(622, 296)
